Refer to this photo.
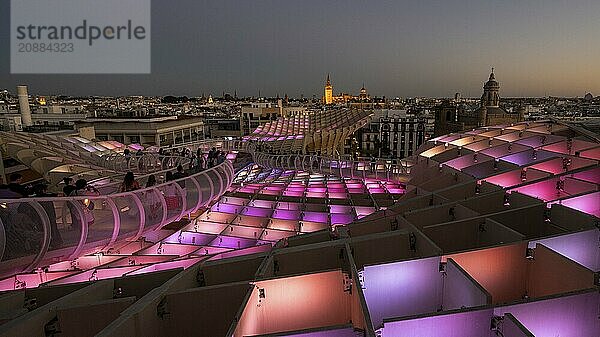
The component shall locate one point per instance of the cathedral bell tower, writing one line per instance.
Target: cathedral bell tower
(328, 97)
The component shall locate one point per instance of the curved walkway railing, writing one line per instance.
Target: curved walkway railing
(34, 231)
(381, 169)
(112, 183)
(57, 157)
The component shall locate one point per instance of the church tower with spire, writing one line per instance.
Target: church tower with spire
(328, 97)
(490, 97)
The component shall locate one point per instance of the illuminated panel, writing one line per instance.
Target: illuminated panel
(503, 150)
(468, 160)
(515, 177)
(560, 165)
(402, 288)
(436, 150)
(589, 203)
(581, 247)
(592, 153)
(466, 140)
(296, 303)
(484, 144)
(574, 316)
(464, 324)
(528, 157)
(538, 141)
(592, 175)
(564, 147)
(502, 271)
(550, 190)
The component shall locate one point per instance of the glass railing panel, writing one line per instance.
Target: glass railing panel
(154, 207)
(98, 215)
(130, 217)
(25, 234)
(172, 193)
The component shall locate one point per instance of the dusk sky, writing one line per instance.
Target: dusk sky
(397, 48)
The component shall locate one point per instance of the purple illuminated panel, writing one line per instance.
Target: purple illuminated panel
(169, 249)
(271, 192)
(581, 247)
(573, 316)
(315, 217)
(226, 208)
(464, 324)
(232, 242)
(592, 175)
(484, 169)
(286, 215)
(293, 193)
(191, 238)
(460, 290)
(256, 211)
(528, 157)
(402, 289)
(541, 140)
(341, 219)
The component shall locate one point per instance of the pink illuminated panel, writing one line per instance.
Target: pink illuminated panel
(516, 177)
(556, 188)
(591, 153)
(589, 203)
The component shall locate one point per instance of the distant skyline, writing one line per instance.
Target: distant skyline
(396, 48)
